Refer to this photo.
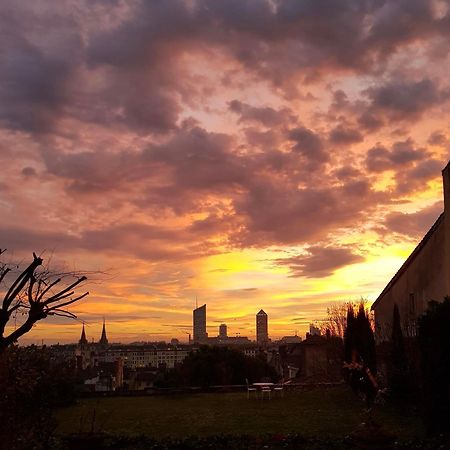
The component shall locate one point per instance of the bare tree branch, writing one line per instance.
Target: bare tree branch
(57, 296)
(41, 295)
(62, 313)
(27, 293)
(4, 272)
(61, 305)
(21, 282)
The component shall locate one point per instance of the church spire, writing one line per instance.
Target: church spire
(103, 339)
(83, 340)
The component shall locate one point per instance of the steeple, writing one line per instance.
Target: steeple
(83, 340)
(103, 340)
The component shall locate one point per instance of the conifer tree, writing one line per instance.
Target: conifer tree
(398, 379)
(349, 334)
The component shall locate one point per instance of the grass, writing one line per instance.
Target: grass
(331, 412)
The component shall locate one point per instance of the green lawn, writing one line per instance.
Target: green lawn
(321, 412)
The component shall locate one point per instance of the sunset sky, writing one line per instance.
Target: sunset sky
(269, 154)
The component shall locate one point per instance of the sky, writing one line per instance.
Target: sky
(275, 154)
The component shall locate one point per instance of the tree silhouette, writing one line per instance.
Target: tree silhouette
(35, 293)
(364, 340)
(398, 376)
(349, 333)
(359, 348)
(434, 341)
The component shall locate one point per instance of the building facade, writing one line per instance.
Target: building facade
(199, 325)
(423, 277)
(262, 328)
(223, 334)
(136, 356)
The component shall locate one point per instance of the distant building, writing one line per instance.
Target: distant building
(223, 331)
(424, 276)
(229, 341)
(290, 340)
(313, 330)
(262, 331)
(139, 356)
(199, 325)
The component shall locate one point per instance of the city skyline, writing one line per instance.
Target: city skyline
(284, 155)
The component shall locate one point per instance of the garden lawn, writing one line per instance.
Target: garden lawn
(333, 412)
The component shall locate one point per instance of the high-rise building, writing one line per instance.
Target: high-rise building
(199, 316)
(223, 331)
(262, 332)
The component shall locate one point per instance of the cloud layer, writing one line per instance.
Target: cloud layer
(169, 133)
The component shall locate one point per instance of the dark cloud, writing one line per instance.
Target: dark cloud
(310, 145)
(150, 243)
(345, 135)
(29, 172)
(266, 116)
(285, 214)
(415, 224)
(35, 82)
(401, 153)
(340, 101)
(112, 88)
(370, 121)
(123, 66)
(438, 138)
(347, 172)
(415, 178)
(404, 99)
(319, 261)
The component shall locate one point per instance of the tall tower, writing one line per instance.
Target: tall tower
(199, 318)
(103, 340)
(223, 331)
(83, 342)
(262, 333)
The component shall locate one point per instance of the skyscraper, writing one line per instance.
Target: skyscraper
(199, 316)
(223, 331)
(262, 333)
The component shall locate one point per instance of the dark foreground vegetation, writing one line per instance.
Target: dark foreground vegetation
(244, 442)
(311, 419)
(39, 408)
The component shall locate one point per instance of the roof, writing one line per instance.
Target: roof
(261, 313)
(410, 259)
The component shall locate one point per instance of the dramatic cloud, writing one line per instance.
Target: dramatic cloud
(343, 135)
(401, 154)
(401, 100)
(416, 224)
(186, 143)
(266, 116)
(319, 262)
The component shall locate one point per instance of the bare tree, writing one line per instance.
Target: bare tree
(336, 319)
(35, 293)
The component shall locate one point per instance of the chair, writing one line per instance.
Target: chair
(250, 389)
(279, 389)
(265, 390)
